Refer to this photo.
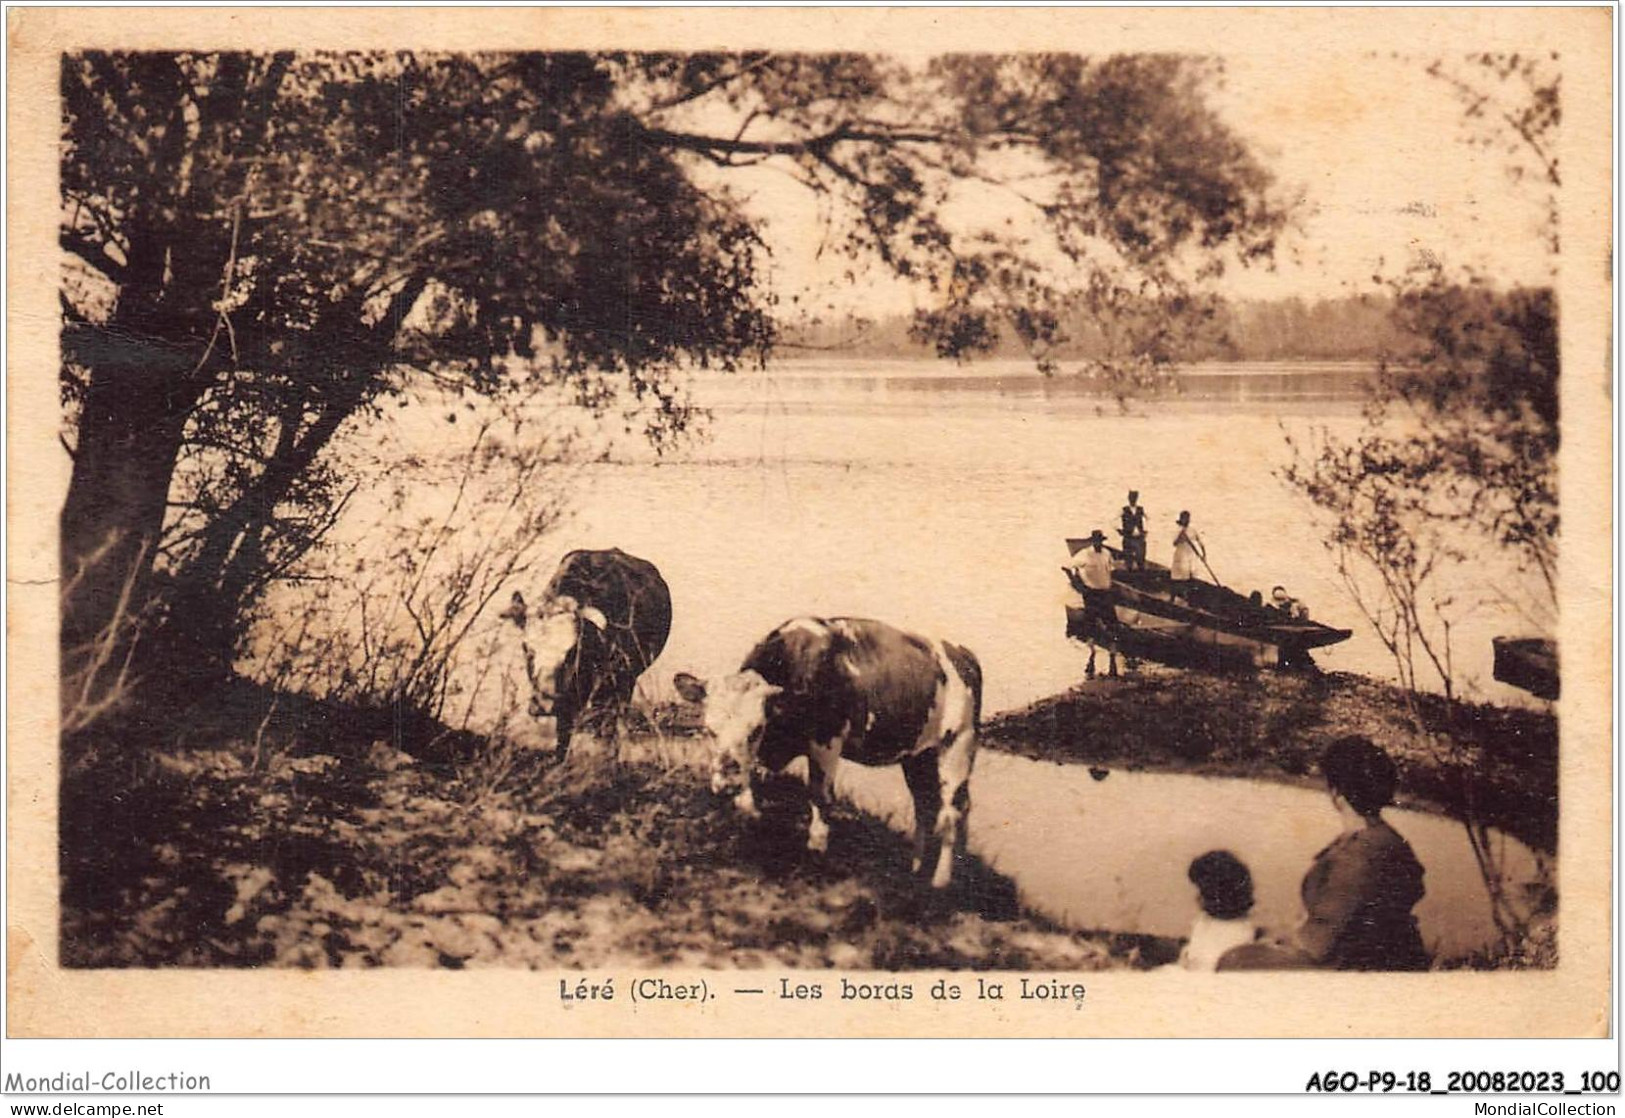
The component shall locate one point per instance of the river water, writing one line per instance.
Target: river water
(938, 497)
(1082, 851)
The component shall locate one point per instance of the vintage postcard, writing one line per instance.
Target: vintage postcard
(863, 522)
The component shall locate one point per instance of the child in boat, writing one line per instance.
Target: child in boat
(1288, 605)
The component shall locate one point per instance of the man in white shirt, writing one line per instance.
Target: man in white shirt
(1092, 567)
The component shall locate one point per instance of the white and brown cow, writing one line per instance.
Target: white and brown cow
(848, 687)
(603, 619)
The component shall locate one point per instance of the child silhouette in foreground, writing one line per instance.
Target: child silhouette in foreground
(1224, 937)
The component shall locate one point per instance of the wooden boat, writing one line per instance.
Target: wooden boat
(1215, 628)
(1529, 663)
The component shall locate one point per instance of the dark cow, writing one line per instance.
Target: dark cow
(846, 687)
(602, 621)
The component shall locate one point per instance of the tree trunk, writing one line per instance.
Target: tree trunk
(128, 439)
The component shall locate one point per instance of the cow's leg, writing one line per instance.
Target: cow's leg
(925, 786)
(620, 709)
(1089, 672)
(954, 764)
(564, 719)
(822, 761)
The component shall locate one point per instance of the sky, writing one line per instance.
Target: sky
(1375, 152)
(1381, 155)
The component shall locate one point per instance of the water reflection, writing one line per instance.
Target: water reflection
(1112, 854)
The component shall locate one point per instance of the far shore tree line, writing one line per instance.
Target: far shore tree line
(1347, 328)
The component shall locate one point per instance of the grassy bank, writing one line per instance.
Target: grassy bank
(301, 840)
(1274, 726)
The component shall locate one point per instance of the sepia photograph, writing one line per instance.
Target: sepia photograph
(850, 526)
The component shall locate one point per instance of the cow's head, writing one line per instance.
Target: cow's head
(551, 637)
(735, 710)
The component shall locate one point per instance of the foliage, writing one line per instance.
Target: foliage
(391, 612)
(1481, 377)
(1373, 495)
(1481, 373)
(263, 247)
(1459, 450)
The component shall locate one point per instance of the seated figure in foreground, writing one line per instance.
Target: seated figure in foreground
(1360, 890)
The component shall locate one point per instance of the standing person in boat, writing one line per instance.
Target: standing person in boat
(1188, 550)
(1359, 891)
(1133, 533)
(1092, 575)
